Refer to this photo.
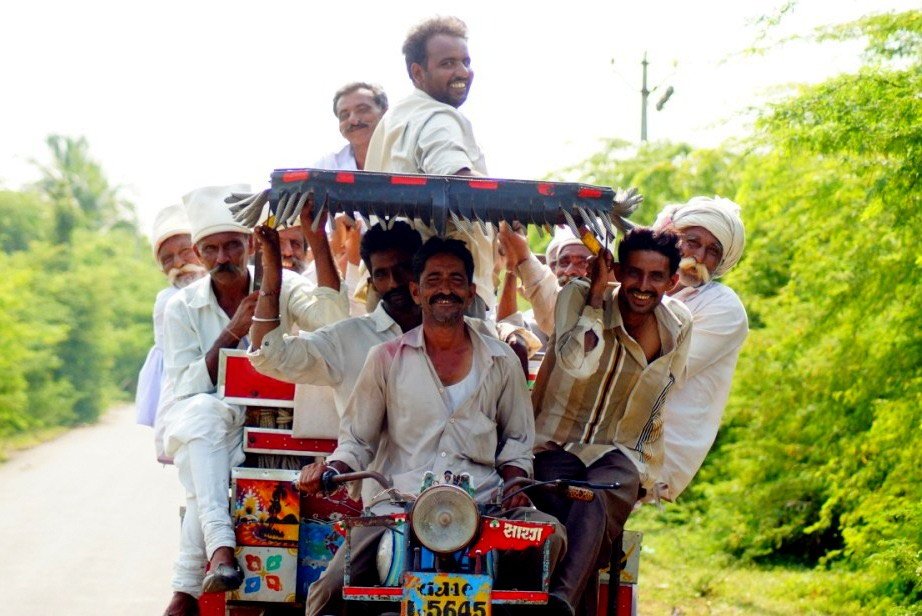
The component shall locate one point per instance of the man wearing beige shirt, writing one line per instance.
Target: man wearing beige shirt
(425, 132)
(442, 397)
(614, 355)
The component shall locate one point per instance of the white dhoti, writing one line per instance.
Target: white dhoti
(204, 436)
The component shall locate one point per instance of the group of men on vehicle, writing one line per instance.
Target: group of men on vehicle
(640, 351)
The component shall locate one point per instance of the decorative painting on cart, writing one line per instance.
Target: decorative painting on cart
(266, 508)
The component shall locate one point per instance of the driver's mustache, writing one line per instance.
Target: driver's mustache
(229, 268)
(449, 296)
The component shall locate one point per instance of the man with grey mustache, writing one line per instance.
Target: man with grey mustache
(172, 245)
(711, 239)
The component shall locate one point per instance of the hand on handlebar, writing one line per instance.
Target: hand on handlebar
(309, 481)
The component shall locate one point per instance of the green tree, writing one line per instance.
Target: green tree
(79, 190)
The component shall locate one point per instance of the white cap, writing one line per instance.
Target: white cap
(170, 221)
(563, 236)
(209, 214)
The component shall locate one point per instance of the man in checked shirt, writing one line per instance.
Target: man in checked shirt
(615, 353)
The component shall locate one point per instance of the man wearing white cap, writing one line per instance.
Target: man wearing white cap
(712, 238)
(567, 258)
(173, 251)
(201, 432)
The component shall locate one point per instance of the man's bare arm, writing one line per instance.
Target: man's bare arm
(230, 336)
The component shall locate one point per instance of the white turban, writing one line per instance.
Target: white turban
(209, 214)
(719, 216)
(563, 237)
(170, 221)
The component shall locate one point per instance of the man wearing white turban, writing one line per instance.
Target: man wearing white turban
(173, 251)
(712, 238)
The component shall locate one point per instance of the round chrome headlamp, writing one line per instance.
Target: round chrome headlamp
(444, 518)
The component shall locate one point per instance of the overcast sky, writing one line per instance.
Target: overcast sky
(173, 95)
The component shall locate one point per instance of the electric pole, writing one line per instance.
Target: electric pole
(644, 94)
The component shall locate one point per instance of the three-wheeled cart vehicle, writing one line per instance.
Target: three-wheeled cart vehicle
(439, 553)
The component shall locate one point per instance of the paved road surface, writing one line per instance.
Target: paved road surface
(91, 524)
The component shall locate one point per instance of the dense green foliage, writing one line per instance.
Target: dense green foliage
(75, 295)
(817, 463)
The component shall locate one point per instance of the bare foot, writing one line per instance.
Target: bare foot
(182, 604)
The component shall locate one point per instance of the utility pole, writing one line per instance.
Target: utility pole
(644, 94)
(644, 98)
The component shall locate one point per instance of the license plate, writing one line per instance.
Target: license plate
(446, 594)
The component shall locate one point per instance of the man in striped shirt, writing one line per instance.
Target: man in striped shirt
(617, 350)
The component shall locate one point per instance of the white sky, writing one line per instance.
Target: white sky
(173, 95)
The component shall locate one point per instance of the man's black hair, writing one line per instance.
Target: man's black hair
(400, 236)
(643, 238)
(438, 246)
(414, 47)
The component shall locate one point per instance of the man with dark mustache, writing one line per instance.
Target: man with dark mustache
(334, 355)
(615, 353)
(441, 397)
(202, 433)
(425, 132)
(358, 106)
(173, 251)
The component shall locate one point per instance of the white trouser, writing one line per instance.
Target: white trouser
(204, 436)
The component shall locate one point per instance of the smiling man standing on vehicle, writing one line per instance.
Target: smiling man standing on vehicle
(425, 132)
(442, 397)
(615, 353)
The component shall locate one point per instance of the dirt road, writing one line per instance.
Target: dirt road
(91, 524)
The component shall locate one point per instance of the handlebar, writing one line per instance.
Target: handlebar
(331, 479)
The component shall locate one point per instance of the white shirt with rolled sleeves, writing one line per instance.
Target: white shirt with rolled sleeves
(694, 409)
(331, 356)
(397, 420)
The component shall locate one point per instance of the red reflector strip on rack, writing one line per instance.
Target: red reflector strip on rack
(591, 193)
(408, 180)
(296, 176)
(345, 178)
(483, 184)
(545, 189)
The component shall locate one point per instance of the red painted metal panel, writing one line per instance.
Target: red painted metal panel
(212, 604)
(260, 440)
(243, 381)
